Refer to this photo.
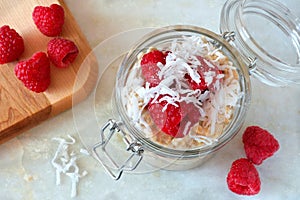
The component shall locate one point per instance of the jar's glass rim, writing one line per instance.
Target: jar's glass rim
(186, 153)
(269, 69)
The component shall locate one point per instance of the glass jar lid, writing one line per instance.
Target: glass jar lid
(253, 28)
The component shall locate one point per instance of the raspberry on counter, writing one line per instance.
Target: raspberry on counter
(243, 178)
(11, 45)
(259, 144)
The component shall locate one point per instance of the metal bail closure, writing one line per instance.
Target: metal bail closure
(252, 64)
(229, 36)
(107, 132)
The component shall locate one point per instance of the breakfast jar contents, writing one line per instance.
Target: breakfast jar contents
(182, 94)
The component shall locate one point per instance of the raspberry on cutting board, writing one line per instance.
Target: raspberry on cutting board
(11, 45)
(34, 72)
(259, 144)
(62, 52)
(243, 178)
(49, 20)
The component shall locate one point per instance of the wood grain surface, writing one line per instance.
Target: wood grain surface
(21, 109)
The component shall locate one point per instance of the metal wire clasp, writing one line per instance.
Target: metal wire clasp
(229, 36)
(252, 64)
(134, 146)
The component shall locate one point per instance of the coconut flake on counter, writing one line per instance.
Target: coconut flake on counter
(85, 152)
(65, 163)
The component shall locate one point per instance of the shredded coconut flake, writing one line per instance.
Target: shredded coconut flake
(84, 151)
(65, 163)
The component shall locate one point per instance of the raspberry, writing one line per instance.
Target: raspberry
(175, 121)
(62, 52)
(11, 45)
(190, 111)
(194, 85)
(34, 72)
(243, 178)
(206, 69)
(259, 144)
(49, 20)
(149, 66)
(184, 127)
(167, 120)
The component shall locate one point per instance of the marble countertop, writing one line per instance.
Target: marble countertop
(25, 162)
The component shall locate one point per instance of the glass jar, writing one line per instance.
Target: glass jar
(250, 53)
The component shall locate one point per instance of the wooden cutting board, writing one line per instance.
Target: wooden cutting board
(21, 109)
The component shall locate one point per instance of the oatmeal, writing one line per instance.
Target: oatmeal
(182, 95)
